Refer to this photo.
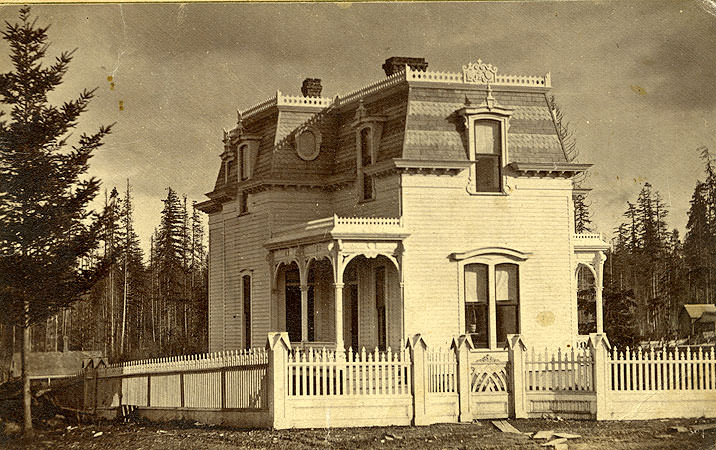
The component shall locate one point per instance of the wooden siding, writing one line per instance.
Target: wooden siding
(386, 203)
(216, 282)
(443, 218)
(236, 249)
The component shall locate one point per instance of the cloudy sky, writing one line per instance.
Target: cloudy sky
(636, 79)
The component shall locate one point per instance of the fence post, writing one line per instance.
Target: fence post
(462, 345)
(599, 347)
(516, 349)
(277, 346)
(417, 347)
(87, 386)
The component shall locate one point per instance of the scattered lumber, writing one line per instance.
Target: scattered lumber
(505, 427)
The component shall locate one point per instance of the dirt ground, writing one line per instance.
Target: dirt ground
(480, 435)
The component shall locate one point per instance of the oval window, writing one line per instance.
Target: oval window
(307, 144)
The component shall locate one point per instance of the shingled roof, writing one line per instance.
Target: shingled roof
(419, 108)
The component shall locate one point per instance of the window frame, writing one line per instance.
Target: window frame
(491, 257)
(246, 318)
(243, 203)
(371, 144)
(470, 117)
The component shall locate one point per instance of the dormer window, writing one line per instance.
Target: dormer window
(488, 155)
(486, 127)
(366, 159)
(228, 166)
(244, 162)
(368, 133)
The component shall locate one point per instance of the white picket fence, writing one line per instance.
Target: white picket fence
(225, 380)
(663, 370)
(570, 370)
(284, 386)
(330, 373)
(442, 371)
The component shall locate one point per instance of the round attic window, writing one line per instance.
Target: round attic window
(308, 144)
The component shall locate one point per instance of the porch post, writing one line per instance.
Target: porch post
(339, 315)
(304, 312)
(599, 269)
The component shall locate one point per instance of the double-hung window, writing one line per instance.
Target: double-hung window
(490, 295)
(486, 129)
(488, 155)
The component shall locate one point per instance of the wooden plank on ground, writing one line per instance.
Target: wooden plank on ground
(505, 427)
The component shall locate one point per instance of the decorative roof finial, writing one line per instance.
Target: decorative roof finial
(225, 139)
(239, 122)
(361, 111)
(489, 99)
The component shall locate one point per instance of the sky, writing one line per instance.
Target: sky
(636, 80)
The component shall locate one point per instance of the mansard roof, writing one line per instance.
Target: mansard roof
(419, 111)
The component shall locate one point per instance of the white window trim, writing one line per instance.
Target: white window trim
(498, 114)
(491, 257)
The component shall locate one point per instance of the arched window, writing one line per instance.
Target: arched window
(490, 294)
(586, 301)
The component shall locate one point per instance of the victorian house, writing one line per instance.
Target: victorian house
(427, 202)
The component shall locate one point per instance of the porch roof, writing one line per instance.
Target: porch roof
(335, 227)
(589, 242)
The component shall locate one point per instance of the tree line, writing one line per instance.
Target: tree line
(650, 273)
(143, 305)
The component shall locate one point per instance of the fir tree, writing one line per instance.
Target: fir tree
(45, 227)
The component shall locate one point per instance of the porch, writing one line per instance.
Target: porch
(337, 282)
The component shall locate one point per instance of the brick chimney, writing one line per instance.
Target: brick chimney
(397, 63)
(311, 87)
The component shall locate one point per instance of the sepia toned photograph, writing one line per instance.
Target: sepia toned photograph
(440, 225)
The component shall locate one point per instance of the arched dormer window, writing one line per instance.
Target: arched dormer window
(244, 162)
(366, 158)
(368, 133)
(489, 293)
(486, 127)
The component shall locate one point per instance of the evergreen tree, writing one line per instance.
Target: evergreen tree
(132, 273)
(582, 216)
(170, 256)
(45, 227)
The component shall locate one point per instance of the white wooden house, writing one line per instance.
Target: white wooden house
(427, 202)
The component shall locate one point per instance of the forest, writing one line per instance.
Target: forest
(143, 305)
(651, 272)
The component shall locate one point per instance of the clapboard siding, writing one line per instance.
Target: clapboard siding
(216, 282)
(386, 203)
(291, 206)
(443, 218)
(254, 231)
